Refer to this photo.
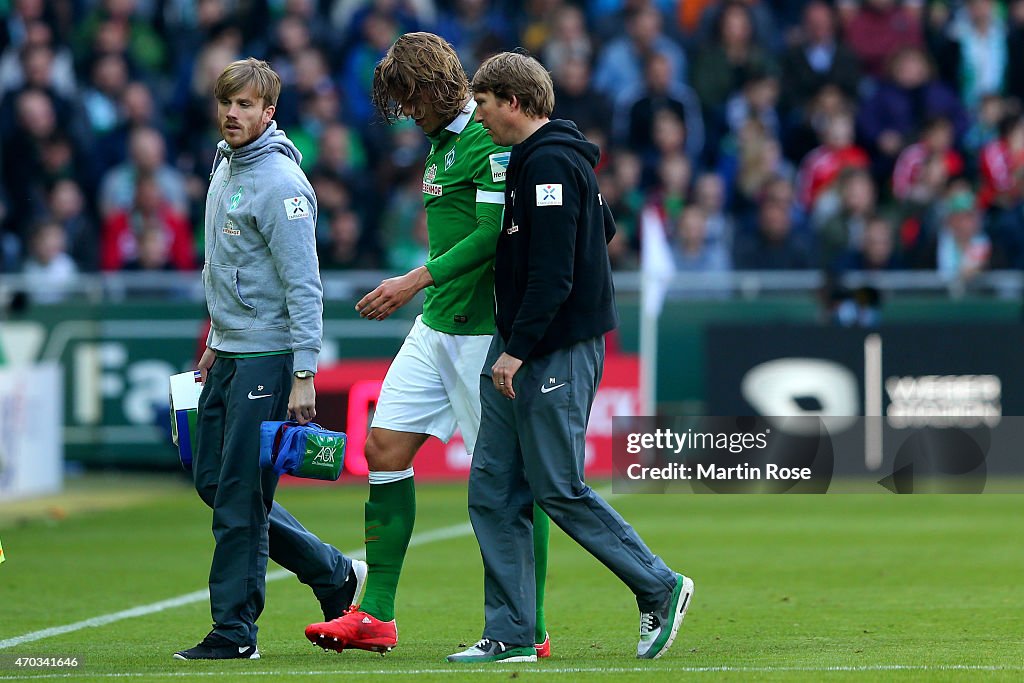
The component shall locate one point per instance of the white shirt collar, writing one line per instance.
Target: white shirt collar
(462, 120)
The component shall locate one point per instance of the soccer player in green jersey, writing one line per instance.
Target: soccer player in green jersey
(433, 385)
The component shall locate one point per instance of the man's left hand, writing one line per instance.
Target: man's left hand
(502, 372)
(302, 401)
(393, 293)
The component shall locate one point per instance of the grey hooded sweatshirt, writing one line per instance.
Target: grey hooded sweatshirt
(262, 277)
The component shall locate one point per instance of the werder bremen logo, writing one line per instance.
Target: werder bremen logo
(236, 198)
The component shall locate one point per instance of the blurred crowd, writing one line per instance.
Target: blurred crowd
(846, 135)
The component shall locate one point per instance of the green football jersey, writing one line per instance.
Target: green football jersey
(464, 194)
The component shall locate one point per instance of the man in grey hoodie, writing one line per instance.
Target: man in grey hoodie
(265, 300)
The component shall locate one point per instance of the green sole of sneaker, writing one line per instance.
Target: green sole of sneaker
(504, 660)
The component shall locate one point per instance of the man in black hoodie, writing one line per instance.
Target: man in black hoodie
(554, 303)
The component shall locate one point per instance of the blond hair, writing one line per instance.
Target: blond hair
(239, 75)
(420, 67)
(509, 74)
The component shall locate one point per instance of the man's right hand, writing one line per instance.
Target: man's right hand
(206, 362)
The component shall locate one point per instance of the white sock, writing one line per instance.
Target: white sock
(389, 477)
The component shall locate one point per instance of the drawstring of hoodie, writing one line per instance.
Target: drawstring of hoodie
(216, 160)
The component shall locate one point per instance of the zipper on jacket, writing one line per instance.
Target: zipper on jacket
(220, 198)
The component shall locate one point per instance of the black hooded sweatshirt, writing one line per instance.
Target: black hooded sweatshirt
(552, 277)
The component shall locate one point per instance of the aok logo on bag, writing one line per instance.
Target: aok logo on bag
(325, 456)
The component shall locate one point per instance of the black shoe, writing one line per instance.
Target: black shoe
(218, 647)
(347, 594)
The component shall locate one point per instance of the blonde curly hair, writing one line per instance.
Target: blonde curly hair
(420, 67)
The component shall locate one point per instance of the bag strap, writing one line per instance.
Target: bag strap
(276, 448)
(285, 426)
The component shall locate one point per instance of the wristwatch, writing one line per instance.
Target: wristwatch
(304, 374)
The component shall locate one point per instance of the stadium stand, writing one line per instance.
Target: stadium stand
(804, 131)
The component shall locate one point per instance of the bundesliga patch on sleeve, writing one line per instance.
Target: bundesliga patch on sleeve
(499, 163)
(549, 194)
(296, 207)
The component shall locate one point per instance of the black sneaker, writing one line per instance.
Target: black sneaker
(218, 647)
(347, 594)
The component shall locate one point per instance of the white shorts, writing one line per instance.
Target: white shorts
(433, 385)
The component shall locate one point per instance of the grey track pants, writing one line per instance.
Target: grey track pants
(532, 447)
(248, 526)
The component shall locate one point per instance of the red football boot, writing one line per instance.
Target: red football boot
(354, 629)
(544, 649)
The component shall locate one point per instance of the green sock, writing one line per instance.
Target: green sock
(390, 515)
(541, 532)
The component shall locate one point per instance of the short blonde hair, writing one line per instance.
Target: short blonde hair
(509, 74)
(239, 75)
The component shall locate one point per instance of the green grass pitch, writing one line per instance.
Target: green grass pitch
(805, 588)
